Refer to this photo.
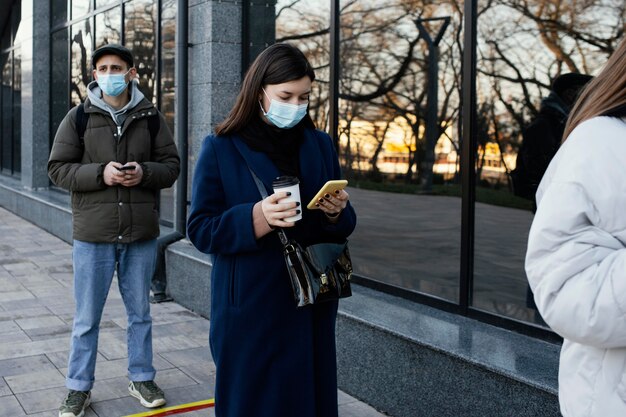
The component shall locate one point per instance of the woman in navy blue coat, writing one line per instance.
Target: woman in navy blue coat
(273, 359)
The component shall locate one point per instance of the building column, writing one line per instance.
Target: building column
(214, 67)
(35, 93)
(216, 57)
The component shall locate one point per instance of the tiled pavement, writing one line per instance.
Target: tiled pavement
(36, 308)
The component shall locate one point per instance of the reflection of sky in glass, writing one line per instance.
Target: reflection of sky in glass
(168, 45)
(109, 27)
(140, 38)
(80, 8)
(517, 59)
(306, 17)
(375, 37)
(528, 55)
(516, 64)
(101, 3)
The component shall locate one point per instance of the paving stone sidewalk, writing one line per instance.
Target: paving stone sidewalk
(36, 309)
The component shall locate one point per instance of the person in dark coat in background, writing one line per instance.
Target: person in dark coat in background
(541, 140)
(272, 358)
(542, 137)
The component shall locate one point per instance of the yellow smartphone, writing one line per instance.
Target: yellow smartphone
(329, 188)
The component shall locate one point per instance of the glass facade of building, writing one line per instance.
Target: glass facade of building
(439, 221)
(400, 134)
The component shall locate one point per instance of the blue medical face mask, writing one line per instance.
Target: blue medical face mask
(284, 115)
(112, 84)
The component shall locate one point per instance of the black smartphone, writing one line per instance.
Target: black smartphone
(126, 168)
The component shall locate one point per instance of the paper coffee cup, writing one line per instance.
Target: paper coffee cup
(292, 185)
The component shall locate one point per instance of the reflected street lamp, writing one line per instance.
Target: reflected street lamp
(432, 87)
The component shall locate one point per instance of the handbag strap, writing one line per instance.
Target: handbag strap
(281, 233)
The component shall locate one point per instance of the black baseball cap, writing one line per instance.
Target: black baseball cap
(113, 49)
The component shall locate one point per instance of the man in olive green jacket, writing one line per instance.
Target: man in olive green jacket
(114, 173)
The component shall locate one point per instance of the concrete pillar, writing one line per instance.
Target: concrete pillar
(35, 52)
(214, 67)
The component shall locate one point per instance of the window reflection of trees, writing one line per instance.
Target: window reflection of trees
(109, 27)
(102, 3)
(168, 53)
(522, 46)
(81, 48)
(80, 8)
(167, 91)
(140, 32)
(383, 113)
(383, 82)
(306, 23)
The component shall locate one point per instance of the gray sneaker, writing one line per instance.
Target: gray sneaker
(147, 392)
(75, 403)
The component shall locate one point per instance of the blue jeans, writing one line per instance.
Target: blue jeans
(94, 266)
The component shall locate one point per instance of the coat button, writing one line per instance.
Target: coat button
(119, 237)
(121, 204)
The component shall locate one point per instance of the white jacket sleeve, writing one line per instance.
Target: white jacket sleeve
(576, 269)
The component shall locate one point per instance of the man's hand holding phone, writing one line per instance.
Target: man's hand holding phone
(127, 175)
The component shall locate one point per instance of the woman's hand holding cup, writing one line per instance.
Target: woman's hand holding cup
(278, 213)
(286, 208)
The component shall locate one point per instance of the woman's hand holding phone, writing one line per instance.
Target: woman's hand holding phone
(332, 198)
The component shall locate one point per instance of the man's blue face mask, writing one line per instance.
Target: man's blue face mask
(112, 84)
(284, 115)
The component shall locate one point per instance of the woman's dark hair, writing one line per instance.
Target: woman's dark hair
(277, 64)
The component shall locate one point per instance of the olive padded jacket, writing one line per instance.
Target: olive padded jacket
(109, 214)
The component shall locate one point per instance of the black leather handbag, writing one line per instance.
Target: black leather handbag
(320, 272)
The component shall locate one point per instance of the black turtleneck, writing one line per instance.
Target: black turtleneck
(282, 146)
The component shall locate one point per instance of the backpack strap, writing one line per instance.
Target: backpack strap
(154, 124)
(81, 123)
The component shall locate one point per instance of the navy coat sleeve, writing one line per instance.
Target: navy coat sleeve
(347, 219)
(212, 227)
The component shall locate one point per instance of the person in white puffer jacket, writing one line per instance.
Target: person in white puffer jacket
(576, 258)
